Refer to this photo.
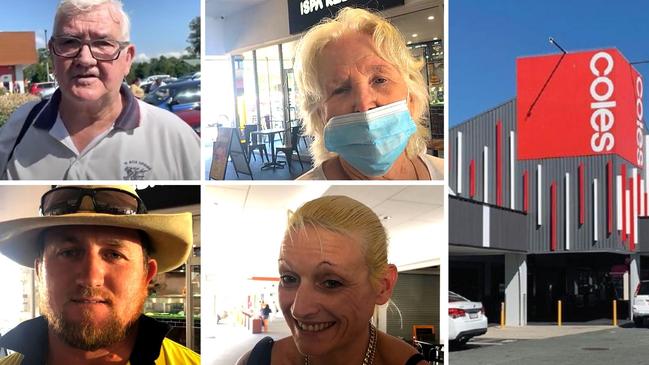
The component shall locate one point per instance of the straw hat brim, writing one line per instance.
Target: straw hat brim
(170, 235)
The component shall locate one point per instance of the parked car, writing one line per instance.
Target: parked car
(178, 96)
(192, 117)
(152, 78)
(466, 319)
(38, 87)
(47, 93)
(641, 303)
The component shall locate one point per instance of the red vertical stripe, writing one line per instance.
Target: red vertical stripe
(526, 193)
(609, 196)
(499, 167)
(623, 173)
(553, 218)
(472, 178)
(581, 193)
(631, 233)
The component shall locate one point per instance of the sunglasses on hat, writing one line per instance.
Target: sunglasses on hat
(67, 200)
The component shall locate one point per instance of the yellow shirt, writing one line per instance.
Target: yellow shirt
(171, 353)
(174, 353)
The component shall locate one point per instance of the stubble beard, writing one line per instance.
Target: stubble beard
(86, 334)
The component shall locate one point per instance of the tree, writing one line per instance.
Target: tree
(173, 66)
(38, 72)
(194, 38)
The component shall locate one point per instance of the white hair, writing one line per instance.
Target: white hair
(68, 8)
(390, 46)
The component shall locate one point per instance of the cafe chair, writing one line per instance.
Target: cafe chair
(288, 149)
(252, 141)
(268, 124)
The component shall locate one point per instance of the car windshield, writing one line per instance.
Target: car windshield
(452, 297)
(191, 94)
(644, 288)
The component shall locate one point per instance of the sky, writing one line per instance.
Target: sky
(486, 37)
(158, 27)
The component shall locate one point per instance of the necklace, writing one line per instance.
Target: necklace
(368, 359)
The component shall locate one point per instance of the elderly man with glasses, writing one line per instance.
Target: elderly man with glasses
(93, 127)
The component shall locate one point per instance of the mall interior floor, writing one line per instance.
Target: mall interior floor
(227, 343)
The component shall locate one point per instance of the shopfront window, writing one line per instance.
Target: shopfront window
(423, 31)
(16, 305)
(244, 84)
(288, 55)
(269, 76)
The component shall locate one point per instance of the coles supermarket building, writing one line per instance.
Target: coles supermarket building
(549, 192)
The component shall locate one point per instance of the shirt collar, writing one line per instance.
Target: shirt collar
(30, 339)
(129, 117)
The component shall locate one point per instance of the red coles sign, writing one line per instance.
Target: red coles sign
(590, 104)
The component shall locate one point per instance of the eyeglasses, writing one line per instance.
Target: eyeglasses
(67, 200)
(100, 49)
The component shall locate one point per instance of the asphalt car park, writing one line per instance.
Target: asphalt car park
(626, 344)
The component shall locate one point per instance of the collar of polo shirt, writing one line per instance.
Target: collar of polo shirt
(128, 119)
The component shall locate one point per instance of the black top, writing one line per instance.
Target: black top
(30, 339)
(260, 354)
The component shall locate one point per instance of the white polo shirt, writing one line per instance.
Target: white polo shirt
(144, 143)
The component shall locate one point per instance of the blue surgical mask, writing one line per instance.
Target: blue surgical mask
(371, 141)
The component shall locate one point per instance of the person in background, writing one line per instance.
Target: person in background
(156, 84)
(363, 100)
(94, 251)
(136, 89)
(265, 314)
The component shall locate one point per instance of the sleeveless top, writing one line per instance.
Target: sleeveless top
(260, 354)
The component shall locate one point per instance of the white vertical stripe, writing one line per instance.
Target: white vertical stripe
(627, 213)
(642, 207)
(485, 175)
(539, 197)
(486, 224)
(618, 194)
(459, 163)
(635, 205)
(512, 170)
(595, 213)
(567, 211)
(646, 170)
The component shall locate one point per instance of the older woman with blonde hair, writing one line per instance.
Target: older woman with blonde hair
(334, 271)
(363, 100)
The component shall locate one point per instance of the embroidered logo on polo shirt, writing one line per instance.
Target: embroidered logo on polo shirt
(135, 170)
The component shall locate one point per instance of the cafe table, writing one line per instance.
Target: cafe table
(271, 136)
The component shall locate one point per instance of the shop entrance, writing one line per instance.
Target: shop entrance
(479, 279)
(586, 284)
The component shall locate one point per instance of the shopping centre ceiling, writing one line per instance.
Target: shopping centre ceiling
(224, 8)
(421, 26)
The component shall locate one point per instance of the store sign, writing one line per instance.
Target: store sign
(303, 14)
(591, 105)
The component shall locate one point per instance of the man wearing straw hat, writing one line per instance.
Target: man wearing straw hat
(94, 250)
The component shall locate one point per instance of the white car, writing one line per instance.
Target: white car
(152, 78)
(466, 319)
(47, 93)
(641, 303)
